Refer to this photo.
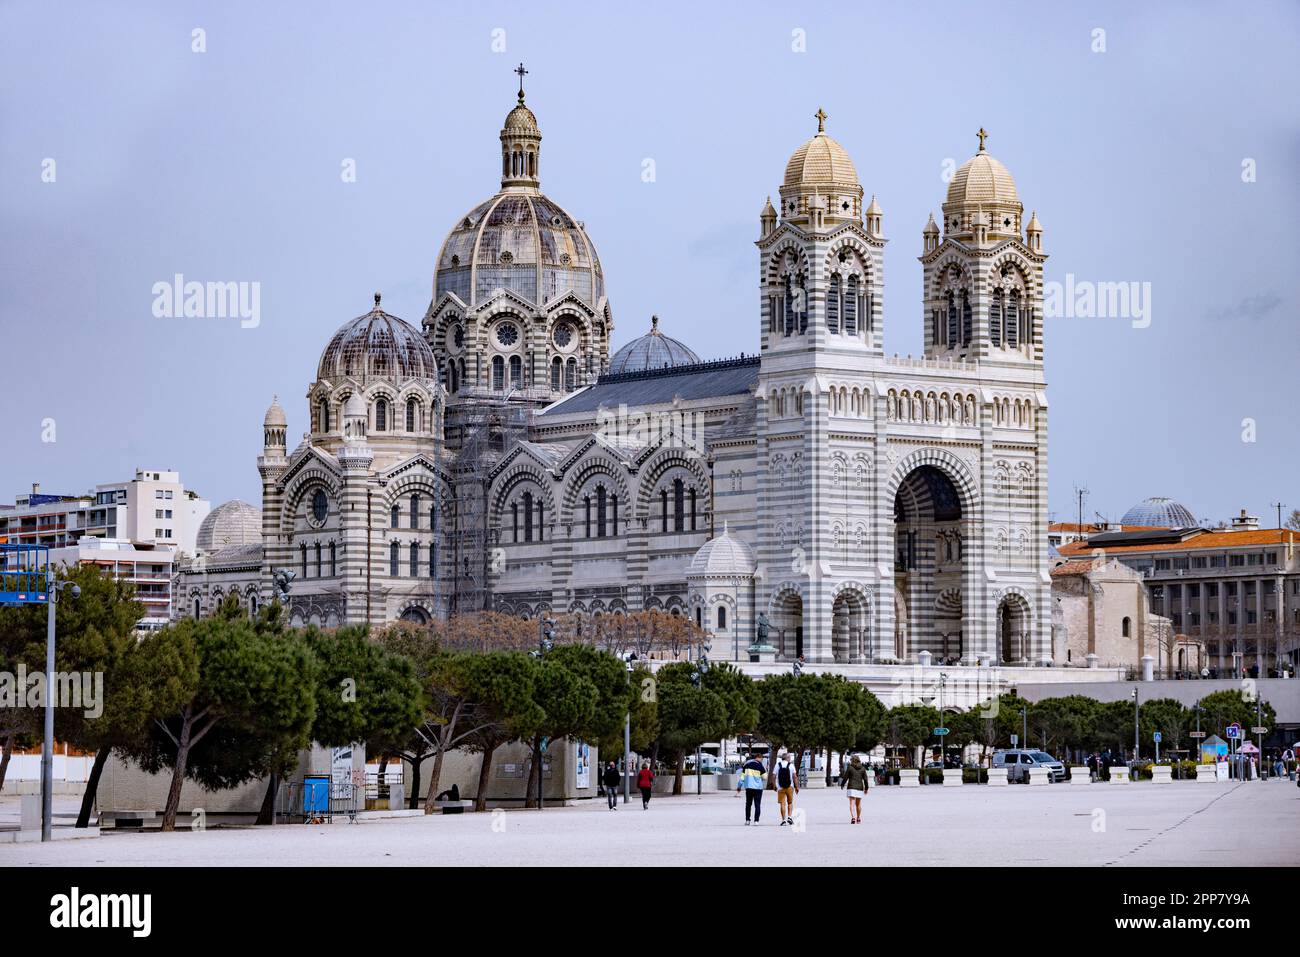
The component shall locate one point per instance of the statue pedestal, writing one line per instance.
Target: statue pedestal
(762, 653)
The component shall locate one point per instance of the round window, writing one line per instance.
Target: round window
(507, 333)
(458, 336)
(320, 505)
(563, 334)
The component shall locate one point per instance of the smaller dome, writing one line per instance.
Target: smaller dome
(521, 120)
(654, 350)
(874, 209)
(820, 162)
(377, 346)
(1159, 512)
(354, 407)
(1034, 225)
(274, 416)
(724, 556)
(768, 208)
(229, 525)
(931, 228)
(982, 179)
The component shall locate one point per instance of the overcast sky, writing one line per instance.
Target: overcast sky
(225, 165)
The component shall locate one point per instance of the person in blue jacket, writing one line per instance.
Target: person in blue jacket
(752, 780)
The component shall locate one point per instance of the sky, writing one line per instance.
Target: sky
(1158, 143)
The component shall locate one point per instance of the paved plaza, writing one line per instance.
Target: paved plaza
(1182, 823)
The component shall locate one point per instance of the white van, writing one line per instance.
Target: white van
(1021, 763)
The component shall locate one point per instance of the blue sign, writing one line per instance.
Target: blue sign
(1233, 730)
(940, 731)
(1156, 736)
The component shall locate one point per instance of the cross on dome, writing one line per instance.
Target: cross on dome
(983, 135)
(822, 117)
(522, 73)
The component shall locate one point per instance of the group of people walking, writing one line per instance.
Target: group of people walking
(611, 778)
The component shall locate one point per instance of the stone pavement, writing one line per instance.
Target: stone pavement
(1182, 823)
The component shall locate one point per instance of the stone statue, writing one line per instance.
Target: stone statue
(763, 627)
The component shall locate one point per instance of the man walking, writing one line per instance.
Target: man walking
(787, 786)
(753, 778)
(610, 779)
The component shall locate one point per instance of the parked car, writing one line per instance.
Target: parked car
(709, 764)
(1024, 763)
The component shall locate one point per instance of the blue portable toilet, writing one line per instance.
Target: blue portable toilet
(316, 795)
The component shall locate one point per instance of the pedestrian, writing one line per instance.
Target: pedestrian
(787, 786)
(645, 782)
(854, 780)
(1092, 766)
(610, 780)
(752, 780)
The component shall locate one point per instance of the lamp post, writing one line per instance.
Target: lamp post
(545, 642)
(1137, 740)
(627, 734)
(697, 679)
(47, 745)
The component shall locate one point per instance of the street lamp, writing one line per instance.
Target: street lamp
(47, 745)
(627, 732)
(697, 679)
(545, 642)
(1137, 740)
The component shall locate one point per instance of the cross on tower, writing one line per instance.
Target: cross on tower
(522, 73)
(821, 120)
(983, 135)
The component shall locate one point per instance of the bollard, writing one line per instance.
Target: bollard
(952, 777)
(30, 813)
(1038, 776)
(909, 778)
(1080, 775)
(1119, 774)
(1161, 774)
(998, 777)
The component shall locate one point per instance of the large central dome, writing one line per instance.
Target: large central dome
(519, 240)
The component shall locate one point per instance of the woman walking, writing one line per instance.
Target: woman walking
(645, 782)
(854, 779)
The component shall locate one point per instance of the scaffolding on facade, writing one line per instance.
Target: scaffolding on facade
(486, 424)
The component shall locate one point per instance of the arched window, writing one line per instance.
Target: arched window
(851, 307)
(570, 375)
(324, 416)
(453, 377)
(415, 511)
(540, 520)
(601, 505)
(514, 521)
(679, 505)
(498, 373)
(415, 560)
(663, 508)
(198, 608)
(318, 559)
(995, 318)
(788, 307)
(557, 374)
(952, 321)
(393, 517)
(252, 606)
(381, 415)
(433, 559)
(1127, 628)
(699, 616)
(528, 516)
(1013, 321)
(302, 561)
(392, 560)
(334, 560)
(833, 304)
(412, 415)
(516, 372)
(965, 318)
(722, 616)
(692, 508)
(586, 503)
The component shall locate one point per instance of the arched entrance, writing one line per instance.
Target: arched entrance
(416, 615)
(848, 627)
(787, 622)
(928, 564)
(1013, 629)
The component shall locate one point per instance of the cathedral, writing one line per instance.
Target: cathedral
(836, 502)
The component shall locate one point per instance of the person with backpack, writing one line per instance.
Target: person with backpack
(854, 780)
(645, 782)
(610, 780)
(752, 780)
(787, 786)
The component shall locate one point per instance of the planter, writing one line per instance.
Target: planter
(952, 777)
(909, 778)
(1080, 775)
(998, 777)
(726, 782)
(1119, 774)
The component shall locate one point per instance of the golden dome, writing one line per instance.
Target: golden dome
(820, 162)
(982, 179)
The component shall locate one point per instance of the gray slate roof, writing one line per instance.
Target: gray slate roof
(702, 380)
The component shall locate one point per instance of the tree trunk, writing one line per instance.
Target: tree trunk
(534, 775)
(178, 774)
(382, 775)
(484, 775)
(4, 761)
(267, 814)
(434, 780)
(829, 754)
(92, 785)
(677, 777)
(413, 799)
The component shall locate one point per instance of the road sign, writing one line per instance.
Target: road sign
(941, 731)
(1015, 739)
(1233, 730)
(1259, 729)
(1196, 734)
(1155, 736)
